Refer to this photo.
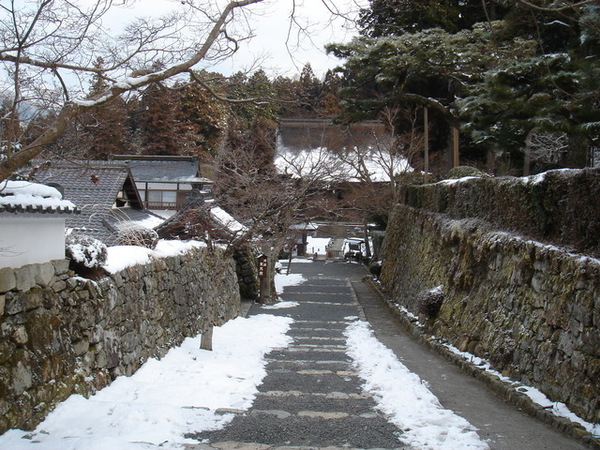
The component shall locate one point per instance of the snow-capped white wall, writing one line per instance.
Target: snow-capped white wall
(31, 238)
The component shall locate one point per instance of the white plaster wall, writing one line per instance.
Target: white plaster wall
(31, 239)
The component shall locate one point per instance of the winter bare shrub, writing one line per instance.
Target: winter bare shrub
(429, 302)
(138, 235)
(87, 254)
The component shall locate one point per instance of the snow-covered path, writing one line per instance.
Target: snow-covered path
(192, 389)
(183, 392)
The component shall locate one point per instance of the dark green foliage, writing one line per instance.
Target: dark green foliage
(558, 206)
(544, 93)
(396, 17)
(534, 71)
(428, 68)
(465, 171)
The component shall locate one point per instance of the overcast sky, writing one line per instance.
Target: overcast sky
(272, 30)
(270, 21)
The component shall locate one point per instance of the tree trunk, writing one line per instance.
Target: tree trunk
(206, 342)
(576, 156)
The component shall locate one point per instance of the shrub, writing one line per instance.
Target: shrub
(429, 302)
(465, 171)
(87, 254)
(133, 234)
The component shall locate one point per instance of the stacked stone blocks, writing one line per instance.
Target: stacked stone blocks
(61, 334)
(531, 308)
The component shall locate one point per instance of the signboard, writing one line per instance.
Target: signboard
(262, 266)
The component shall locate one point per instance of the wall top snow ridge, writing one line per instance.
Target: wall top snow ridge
(557, 207)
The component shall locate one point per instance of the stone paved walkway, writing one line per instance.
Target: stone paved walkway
(311, 397)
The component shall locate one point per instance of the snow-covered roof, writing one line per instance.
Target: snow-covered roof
(226, 220)
(25, 196)
(163, 169)
(332, 166)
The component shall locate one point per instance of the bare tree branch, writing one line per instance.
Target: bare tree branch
(73, 108)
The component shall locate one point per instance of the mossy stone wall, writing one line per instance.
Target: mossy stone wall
(532, 309)
(61, 334)
(559, 206)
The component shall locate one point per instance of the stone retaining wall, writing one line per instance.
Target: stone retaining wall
(61, 334)
(533, 310)
(558, 206)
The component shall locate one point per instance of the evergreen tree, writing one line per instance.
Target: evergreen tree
(428, 68)
(259, 93)
(158, 125)
(396, 17)
(104, 125)
(201, 118)
(329, 102)
(309, 92)
(287, 94)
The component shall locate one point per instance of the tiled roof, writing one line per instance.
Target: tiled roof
(163, 169)
(100, 190)
(36, 209)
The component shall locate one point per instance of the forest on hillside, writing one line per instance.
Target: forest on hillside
(511, 87)
(518, 80)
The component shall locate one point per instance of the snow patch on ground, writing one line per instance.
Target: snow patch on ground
(317, 245)
(282, 280)
(150, 222)
(281, 305)
(165, 399)
(405, 397)
(413, 318)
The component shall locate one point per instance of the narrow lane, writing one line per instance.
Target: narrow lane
(312, 396)
(503, 426)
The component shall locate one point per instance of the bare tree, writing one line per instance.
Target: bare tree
(48, 48)
(544, 147)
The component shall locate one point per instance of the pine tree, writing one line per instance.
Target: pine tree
(309, 93)
(201, 118)
(158, 125)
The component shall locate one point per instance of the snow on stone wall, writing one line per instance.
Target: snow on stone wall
(61, 334)
(558, 207)
(532, 309)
